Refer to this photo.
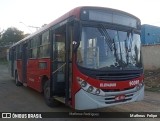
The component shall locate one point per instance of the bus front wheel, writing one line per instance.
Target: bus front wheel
(49, 100)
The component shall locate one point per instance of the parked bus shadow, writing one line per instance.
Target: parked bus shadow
(35, 99)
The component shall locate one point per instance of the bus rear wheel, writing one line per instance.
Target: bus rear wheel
(51, 102)
(18, 83)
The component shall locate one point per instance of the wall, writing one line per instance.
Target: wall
(151, 56)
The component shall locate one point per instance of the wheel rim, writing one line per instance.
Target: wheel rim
(47, 93)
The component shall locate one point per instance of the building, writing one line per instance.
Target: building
(150, 35)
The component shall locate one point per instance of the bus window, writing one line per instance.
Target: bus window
(45, 37)
(44, 49)
(59, 53)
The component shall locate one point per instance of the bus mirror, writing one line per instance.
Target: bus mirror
(75, 45)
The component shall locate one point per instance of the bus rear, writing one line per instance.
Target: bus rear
(107, 62)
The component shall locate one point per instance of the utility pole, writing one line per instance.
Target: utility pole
(27, 27)
(30, 27)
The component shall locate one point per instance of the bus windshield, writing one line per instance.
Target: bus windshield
(102, 48)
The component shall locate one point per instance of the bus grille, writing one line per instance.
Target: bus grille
(111, 99)
(116, 90)
(119, 76)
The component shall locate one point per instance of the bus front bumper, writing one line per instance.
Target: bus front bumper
(85, 100)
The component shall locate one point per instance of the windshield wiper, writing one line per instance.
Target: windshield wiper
(110, 43)
(108, 39)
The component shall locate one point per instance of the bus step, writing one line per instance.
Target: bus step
(60, 99)
(25, 84)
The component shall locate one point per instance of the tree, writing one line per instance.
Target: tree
(10, 36)
(1, 31)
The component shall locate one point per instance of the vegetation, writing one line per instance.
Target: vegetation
(151, 79)
(10, 36)
(7, 38)
(3, 62)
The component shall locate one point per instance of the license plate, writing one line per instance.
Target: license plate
(120, 97)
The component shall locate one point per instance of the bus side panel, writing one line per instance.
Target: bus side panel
(31, 70)
(19, 70)
(43, 70)
(35, 71)
(75, 86)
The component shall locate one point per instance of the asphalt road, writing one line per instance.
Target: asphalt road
(24, 99)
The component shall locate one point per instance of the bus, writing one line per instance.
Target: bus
(88, 58)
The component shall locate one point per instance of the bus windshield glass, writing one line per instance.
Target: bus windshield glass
(102, 49)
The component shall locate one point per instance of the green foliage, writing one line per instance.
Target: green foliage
(10, 36)
(3, 62)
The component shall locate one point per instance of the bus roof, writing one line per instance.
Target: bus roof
(73, 12)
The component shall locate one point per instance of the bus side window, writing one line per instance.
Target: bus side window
(60, 47)
(39, 46)
(29, 49)
(32, 47)
(34, 50)
(18, 51)
(44, 45)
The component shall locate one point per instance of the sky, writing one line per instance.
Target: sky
(24, 13)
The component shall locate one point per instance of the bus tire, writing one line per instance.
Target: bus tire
(51, 102)
(18, 83)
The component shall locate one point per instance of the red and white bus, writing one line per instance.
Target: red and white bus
(89, 58)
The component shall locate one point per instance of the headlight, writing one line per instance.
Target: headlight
(139, 86)
(83, 84)
(90, 89)
(98, 91)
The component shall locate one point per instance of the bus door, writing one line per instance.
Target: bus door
(58, 62)
(61, 62)
(24, 62)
